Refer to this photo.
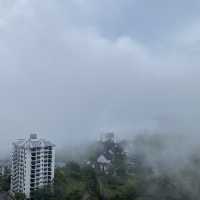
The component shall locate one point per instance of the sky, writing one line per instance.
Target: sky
(71, 70)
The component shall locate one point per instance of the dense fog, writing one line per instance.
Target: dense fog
(71, 70)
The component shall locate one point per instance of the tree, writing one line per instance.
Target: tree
(20, 196)
(92, 184)
(73, 170)
(4, 183)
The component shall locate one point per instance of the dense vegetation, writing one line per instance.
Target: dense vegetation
(153, 168)
(4, 182)
(88, 181)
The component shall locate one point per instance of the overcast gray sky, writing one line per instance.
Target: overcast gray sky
(70, 69)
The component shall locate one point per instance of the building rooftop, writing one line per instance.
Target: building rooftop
(103, 160)
(33, 142)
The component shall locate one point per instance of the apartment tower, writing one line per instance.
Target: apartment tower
(33, 163)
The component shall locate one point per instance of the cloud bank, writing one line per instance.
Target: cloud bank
(71, 69)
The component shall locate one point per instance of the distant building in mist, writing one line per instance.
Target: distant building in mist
(4, 167)
(33, 163)
(60, 164)
(108, 152)
(110, 136)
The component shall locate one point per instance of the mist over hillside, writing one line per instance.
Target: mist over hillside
(162, 150)
(72, 70)
(152, 165)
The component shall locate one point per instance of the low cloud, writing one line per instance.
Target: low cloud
(68, 79)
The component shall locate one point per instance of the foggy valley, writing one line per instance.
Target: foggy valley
(111, 90)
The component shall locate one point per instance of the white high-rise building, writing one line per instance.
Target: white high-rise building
(33, 163)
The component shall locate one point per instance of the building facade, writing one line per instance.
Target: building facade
(33, 163)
